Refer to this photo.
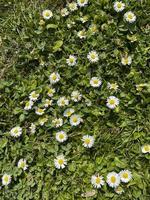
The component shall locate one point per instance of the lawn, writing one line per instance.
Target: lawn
(74, 100)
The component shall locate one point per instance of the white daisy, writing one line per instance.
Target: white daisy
(126, 60)
(84, 19)
(76, 96)
(112, 86)
(93, 56)
(145, 148)
(72, 60)
(32, 128)
(58, 122)
(119, 6)
(72, 6)
(42, 121)
(75, 120)
(61, 136)
(33, 96)
(51, 92)
(22, 163)
(130, 17)
(60, 162)
(62, 101)
(112, 102)
(95, 82)
(39, 111)
(82, 3)
(54, 78)
(16, 131)
(64, 12)
(113, 179)
(88, 141)
(97, 181)
(125, 176)
(47, 14)
(28, 105)
(68, 112)
(119, 190)
(47, 103)
(93, 29)
(6, 179)
(82, 34)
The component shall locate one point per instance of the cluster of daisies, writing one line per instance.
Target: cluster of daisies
(113, 180)
(129, 16)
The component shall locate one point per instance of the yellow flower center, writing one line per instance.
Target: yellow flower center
(111, 101)
(54, 77)
(33, 95)
(61, 136)
(16, 131)
(95, 81)
(61, 161)
(125, 175)
(119, 5)
(6, 179)
(82, 1)
(87, 141)
(147, 148)
(130, 16)
(93, 56)
(75, 119)
(113, 179)
(40, 110)
(98, 180)
(47, 14)
(71, 60)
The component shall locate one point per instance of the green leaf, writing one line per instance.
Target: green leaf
(57, 45)
(54, 26)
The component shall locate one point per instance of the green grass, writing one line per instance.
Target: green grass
(29, 54)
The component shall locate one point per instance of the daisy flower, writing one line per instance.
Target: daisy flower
(82, 34)
(39, 111)
(51, 92)
(6, 179)
(119, 6)
(64, 12)
(88, 141)
(130, 17)
(125, 176)
(58, 122)
(119, 190)
(97, 181)
(47, 14)
(82, 3)
(112, 102)
(93, 29)
(54, 78)
(93, 56)
(84, 19)
(126, 60)
(47, 103)
(112, 86)
(76, 96)
(22, 163)
(28, 105)
(145, 148)
(95, 82)
(32, 128)
(62, 101)
(72, 6)
(75, 120)
(71, 61)
(68, 112)
(16, 131)
(33, 96)
(42, 121)
(61, 136)
(113, 179)
(60, 162)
